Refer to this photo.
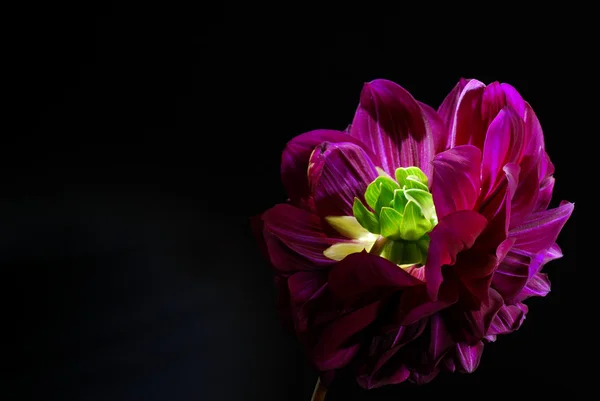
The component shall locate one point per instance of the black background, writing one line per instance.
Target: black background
(143, 143)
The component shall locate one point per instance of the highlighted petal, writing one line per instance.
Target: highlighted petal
(456, 181)
(392, 124)
(537, 286)
(458, 111)
(453, 234)
(337, 173)
(540, 230)
(508, 319)
(294, 161)
(362, 274)
(468, 356)
(504, 144)
(300, 231)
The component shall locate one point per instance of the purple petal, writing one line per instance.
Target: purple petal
(437, 127)
(333, 350)
(423, 378)
(540, 230)
(496, 209)
(503, 144)
(537, 286)
(514, 99)
(525, 196)
(453, 234)
(304, 289)
(472, 325)
(440, 341)
(534, 137)
(513, 273)
(508, 319)
(300, 231)
(456, 183)
(294, 160)
(475, 270)
(360, 274)
(460, 110)
(392, 124)
(383, 367)
(544, 194)
(468, 356)
(492, 101)
(415, 304)
(337, 173)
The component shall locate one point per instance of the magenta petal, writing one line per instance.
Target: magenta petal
(460, 110)
(514, 99)
(334, 350)
(359, 274)
(298, 230)
(390, 122)
(472, 325)
(508, 319)
(304, 286)
(337, 173)
(294, 160)
(415, 304)
(305, 289)
(540, 230)
(513, 273)
(456, 182)
(537, 286)
(544, 194)
(468, 356)
(503, 144)
(440, 341)
(454, 233)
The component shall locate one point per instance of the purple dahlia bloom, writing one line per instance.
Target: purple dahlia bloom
(413, 238)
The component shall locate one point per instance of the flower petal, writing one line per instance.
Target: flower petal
(333, 350)
(508, 319)
(537, 286)
(503, 144)
(513, 273)
(337, 173)
(362, 274)
(392, 124)
(294, 160)
(300, 231)
(456, 182)
(440, 341)
(475, 269)
(544, 194)
(460, 110)
(514, 99)
(468, 356)
(540, 230)
(304, 289)
(384, 364)
(454, 233)
(471, 326)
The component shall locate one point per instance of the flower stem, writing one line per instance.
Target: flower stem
(378, 246)
(319, 392)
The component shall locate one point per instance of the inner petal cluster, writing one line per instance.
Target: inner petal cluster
(394, 223)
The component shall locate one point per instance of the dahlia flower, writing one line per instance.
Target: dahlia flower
(413, 238)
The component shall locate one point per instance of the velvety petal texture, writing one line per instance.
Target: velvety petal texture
(482, 253)
(392, 124)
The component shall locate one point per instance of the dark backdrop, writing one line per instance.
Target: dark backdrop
(144, 143)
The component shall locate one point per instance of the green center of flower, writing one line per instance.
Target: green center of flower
(395, 224)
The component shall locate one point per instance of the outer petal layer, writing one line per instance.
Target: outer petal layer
(337, 173)
(392, 124)
(295, 157)
(456, 179)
